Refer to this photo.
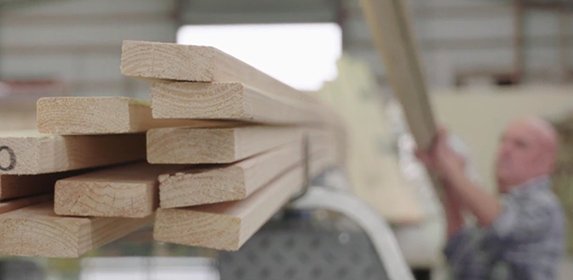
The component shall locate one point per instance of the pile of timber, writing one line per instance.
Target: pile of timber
(220, 148)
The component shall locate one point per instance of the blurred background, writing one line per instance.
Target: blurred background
(484, 61)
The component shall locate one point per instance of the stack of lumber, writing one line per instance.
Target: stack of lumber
(220, 148)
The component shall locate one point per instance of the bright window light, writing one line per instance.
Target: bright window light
(301, 55)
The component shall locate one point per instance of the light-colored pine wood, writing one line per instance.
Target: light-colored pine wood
(372, 161)
(153, 60)
(324, 151)
(391, 32)
(239, 180)
(168, 61)
(214, 145)
(327, 141)
(30, 152)
(232, 182)
(11, 205)
(227, 225)
(36, 231)
(233, 101)
(102, 115)
(14, 186)
(388, 22)
(128, 191)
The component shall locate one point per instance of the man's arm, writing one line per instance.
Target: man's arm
(453, 211)
(484, 206)
(443, 160)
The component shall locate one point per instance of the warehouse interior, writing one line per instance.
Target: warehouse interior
(482, 64)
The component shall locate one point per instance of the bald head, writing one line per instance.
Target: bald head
(527, 150)
(543, 132)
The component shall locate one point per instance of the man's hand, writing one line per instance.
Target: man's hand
(450, 166)
(440, 157)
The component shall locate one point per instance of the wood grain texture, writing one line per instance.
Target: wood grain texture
(227, 225)
(14, 186)
(153, 60)
(327, 141)
(231, 101)
(11, 205)
(30, 152)
(391, 32)
(101, 115)
(36, 231)
(323, 152)
(232, 182)
(214, 145)
(128, 191)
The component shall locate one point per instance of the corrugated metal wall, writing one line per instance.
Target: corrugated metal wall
(79, 41)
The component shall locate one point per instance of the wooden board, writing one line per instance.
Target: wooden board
(29, 152)
(227, 225)
(232, 182)
(36, 231)
(372, 161)
(326, 141)
(231, 101)
(214, 145)
(102, 115)
(11, 205)
(14, 186)
(152, 60)
(129, 191)
(391, 33)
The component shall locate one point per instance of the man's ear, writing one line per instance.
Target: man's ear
(546, 163)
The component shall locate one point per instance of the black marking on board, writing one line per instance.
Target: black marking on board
(12, 156)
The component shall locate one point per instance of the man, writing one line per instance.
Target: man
(519, 238)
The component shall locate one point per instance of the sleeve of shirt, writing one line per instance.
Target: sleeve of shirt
(456, 244)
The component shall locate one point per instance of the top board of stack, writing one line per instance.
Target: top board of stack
(220, 148)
